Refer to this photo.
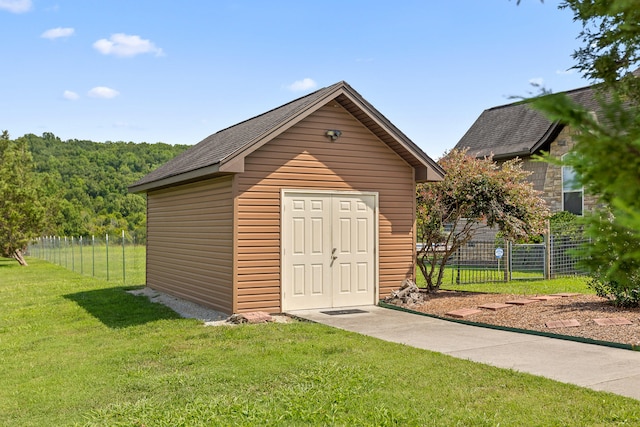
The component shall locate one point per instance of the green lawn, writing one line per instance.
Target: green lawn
(517, 287)
(115, 263)
(76, 350)
(454, 275)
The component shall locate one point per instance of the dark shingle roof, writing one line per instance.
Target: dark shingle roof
(516, 129)
(215, 148)
(206, 157)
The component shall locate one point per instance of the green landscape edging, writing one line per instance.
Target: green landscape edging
(518, 330)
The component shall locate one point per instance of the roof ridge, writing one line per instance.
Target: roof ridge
(525, 101)
(342, 82)
(224, 151)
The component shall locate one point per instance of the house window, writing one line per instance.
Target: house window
(572, 193)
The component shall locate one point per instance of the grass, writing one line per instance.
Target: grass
(479, 274)
(528, 287)
(76, 350)
(114, 263)
(522, 286)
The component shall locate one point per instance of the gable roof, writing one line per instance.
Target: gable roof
(223, 152)
(516, 129)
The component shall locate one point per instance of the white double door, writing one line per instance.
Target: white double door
(328, 251)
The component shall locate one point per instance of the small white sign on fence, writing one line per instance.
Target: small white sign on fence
(499, 253)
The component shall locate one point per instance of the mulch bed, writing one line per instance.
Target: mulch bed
(587, 316)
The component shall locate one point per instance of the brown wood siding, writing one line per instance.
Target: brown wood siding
(303, 158)
(190, 242)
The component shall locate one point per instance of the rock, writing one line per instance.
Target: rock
(252, 317)
(237, 319)
(408, 293)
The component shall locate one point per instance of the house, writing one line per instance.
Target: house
(309, 205)
(516, 130)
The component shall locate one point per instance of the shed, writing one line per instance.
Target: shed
(309, 205)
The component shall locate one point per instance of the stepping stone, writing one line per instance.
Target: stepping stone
(257, 317)
(546, 297)
(463, 312)
(565, 294)
(495, 306)
(522, 301)
(570, 323)
(612, 321)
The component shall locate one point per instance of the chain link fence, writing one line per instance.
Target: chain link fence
(112, 258)
(494, 261)
(121, 259)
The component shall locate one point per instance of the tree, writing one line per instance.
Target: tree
(606, 155)
(88, 181)
(22, 213)
(474, 192)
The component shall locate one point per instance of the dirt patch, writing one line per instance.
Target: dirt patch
(535, 316)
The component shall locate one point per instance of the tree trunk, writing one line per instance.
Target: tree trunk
(17, 255)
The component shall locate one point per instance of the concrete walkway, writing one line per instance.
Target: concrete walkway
(587, 365)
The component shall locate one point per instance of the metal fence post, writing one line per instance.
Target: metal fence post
(73, 257)
(458, 266)
(507, 262)
(81, 264)
(547, 251)
(107, 244)
(93, 256)
(124, 274)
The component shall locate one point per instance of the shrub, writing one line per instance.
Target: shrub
(619, 295)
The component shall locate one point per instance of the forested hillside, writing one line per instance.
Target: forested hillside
(87, 183)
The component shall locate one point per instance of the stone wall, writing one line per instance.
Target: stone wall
(552, 189)
(547, 177)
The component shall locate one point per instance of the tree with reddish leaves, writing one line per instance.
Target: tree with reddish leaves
(474, 193)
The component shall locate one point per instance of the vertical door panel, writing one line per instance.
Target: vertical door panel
(328, 250)
(306, 276)
(353, 280)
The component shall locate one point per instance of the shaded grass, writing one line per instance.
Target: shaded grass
(78, 351)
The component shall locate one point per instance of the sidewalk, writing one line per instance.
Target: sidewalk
(587, 365)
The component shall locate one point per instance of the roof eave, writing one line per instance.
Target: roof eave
(190, 176)
(549, 135)
(512, 155)
(236, 160)
(433, 171)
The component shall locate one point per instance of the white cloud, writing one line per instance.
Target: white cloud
(124, 45)
(103, 92)
(70, 95)
(537, 81)
(56, 33)
(301, 85)
(16, 6)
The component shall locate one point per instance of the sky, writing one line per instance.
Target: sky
(177, 71)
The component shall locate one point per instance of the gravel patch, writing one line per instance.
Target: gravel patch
(582, 308)
(191, 310)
